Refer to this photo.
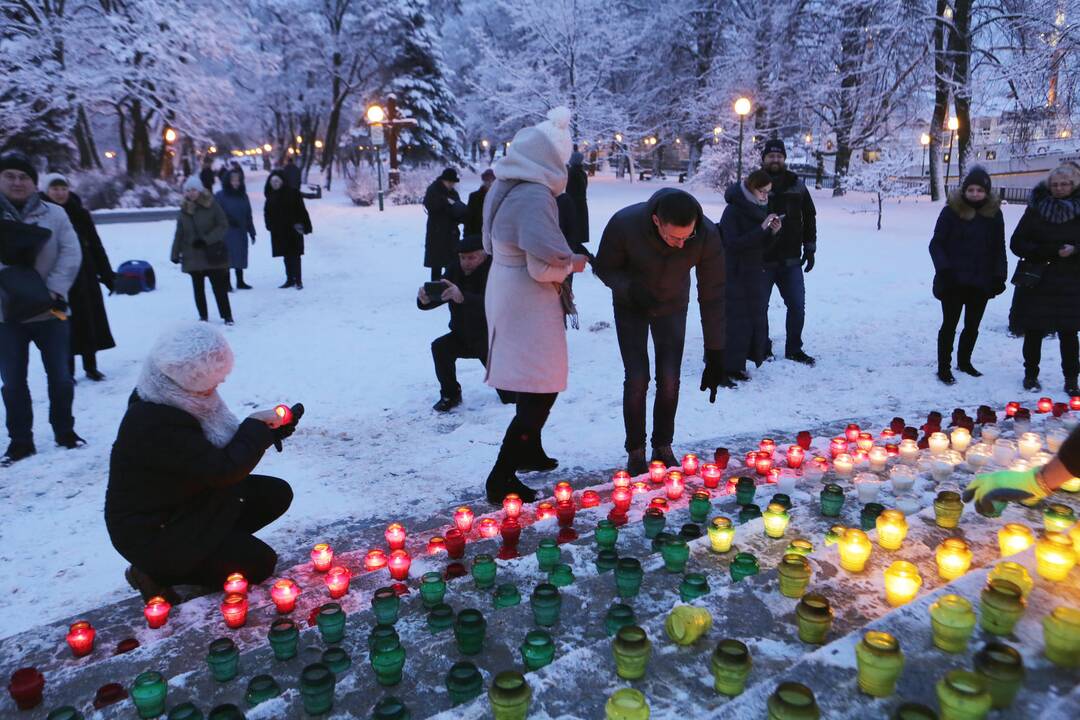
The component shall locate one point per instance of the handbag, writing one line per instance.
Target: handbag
(1029, 273)
(217, 253)
(23, 294)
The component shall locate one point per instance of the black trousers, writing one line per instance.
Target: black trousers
(264, 499)
(523, 433)
(89, 362)
(293, 268)
(669, 337)
(1070, 353)
(972, 304)
(219, 283)
(446, 351)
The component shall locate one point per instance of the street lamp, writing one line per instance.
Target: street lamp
(924, 140)
(169, 135)
(268, 147)
(953, 124)
(375, 117)
(742, 109)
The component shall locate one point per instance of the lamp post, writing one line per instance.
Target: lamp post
(375, 117)
(953, 125)
(742, 109)
(924, 140)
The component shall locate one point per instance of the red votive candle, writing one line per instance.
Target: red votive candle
(399, 564)
(767, 445)
(1044, 405)
(511, 532)
(395, 536)
(337, 581)
(26, 687)
(455, 543)
(1060, 409)
(674, 485)
(463, 519)
(820, 463)
(285, 413)
(564, 492)
(795, 457)
(710, 475)
(852, 432)
(236, 583)
(804, 439)
(721, 456)
(512, 505)
(590, 498)
(284, 593)
(690, 464)
(1074, 402)
(157, 610)
(622, 497)
(376, 559)
(234, 608)
(837, 446)
(546, 511)
(660, 503)
(763, 464)
(489, 527)
(865, 441)
(565, 512)
(640, 486)
(893, 449)
(750, 459)
(80, 638)
(322, 557)
(621, 478)
(773, 475)
(1011, 408)
(657, 471)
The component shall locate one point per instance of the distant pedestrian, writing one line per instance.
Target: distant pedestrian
(577, 187)
(1047, 279)
(445, 212)
(90, 331)
(200, 250)
(527, 301)
(206, 175)
(474, 214)
(290, 173)
(749, 231)
(233, 199)
(968, 250)
(795, 247)
(287, 221)
(39, 261)
(646, 254)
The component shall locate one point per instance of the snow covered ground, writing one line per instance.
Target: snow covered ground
(354, 349)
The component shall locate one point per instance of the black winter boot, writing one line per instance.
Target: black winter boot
(944, 358)
(1072, 388)
(963, 353)
(666, 456)
(17, 451)
(534, 458)
(148, 587)
(501, 480)
(635, 463)
(1031, 380)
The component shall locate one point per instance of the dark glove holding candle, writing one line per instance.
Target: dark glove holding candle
(714, 375)
(287, 428)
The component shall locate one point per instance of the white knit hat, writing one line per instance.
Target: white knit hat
(53, 178)
(195, 356)
(539, 153)
(557, 129)
(193, 183)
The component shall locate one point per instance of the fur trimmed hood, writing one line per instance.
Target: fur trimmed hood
(966, 212)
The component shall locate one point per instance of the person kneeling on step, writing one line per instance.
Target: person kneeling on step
(463, 283)
(182, 504)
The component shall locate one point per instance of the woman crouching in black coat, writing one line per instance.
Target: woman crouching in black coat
(182, 504)
(968, 250)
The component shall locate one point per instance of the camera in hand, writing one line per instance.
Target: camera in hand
(434, 290)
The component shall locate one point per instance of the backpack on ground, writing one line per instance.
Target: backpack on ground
(134, 277)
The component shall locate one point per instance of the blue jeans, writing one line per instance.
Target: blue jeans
(53, 338)
(789, 278)
(669, 336)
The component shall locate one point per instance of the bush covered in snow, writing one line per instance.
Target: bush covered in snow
(363, 187)
(101, 191)
(716, 169)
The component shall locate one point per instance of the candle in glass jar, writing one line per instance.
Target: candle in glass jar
(953, 558)
(690, 464)
(1011, 409)
(376, 559)
(639, 486)
(1004, 451)
(512, 505)
(399, 564)
(489, 527)
(435, 546)
(868, 486)
(322, 555)
(892, 528)
(938, 443)
(1054, 557)
(843, 465)
(659, 503)
(909, 451)
(1058, 518)
(902, 583)
(710, 475)
(721, 534)
(234, 609)
(1029, 444)
(674, 485)
(622, 497)
(865, 441)
(284, 593)
(767, 445)
(879, 458)
(564, 492)
(1044, 405)
(236, 583)
(990, 433)
(837, 446)
(764, 463)
(961, 438)
(818, 467)
(395, 536)
(855, 549)
(337, 581)
(776, 520)
(80, 638)
(1055, 438)
(852, 432)
(463, 519)
(1014, 538)
(590, 499)
(157, 610)
(795, 457)
(657, 471)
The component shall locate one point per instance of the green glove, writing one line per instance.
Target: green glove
(991, 492)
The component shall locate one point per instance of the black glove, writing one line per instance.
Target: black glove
(714, 375)
(641, 297)
(808, 260)
(284, 431)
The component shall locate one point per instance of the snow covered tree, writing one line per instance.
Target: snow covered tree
(885, 177)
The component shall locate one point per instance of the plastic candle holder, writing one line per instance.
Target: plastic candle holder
(483, 571)
(537, 650)
(322, 557)
(1014, 538)
(432, 589)
(376, 559)
(776, 520)
(745, 487)
(489, 527)
(548, 554)
(691, 465)
(509, 696)
(157, 610)
(1000, 607)
(463, 519)
(469, 630)
(385, 604)
(331, 622)
(1029, 444)
(963, 695)
(814, 616)
(67, 712)
(455, 544)
(685, 624)
(317, 688)
(674, 484)
(879, 458)
(378, 632)
(1014, 573)
(561, 575)
(628, 576)
(796, 455)
(892, 528)
(387, 660)
(606, 560)
(284, 638)
(236, 583)
(731, 666)
(952, 620)
(947, 509)
(832, 500)
(626, 704)
(700, 506)
(833, 535)
(621, 498)
(879, 662)
(440, 618)
(794, 571)
(763, 463)
(512, 505)
(748, 513)
(26, 687)
(148, 693)
(693, 586)
(855, 549)
(799, 546)
(564, 492)
(284, 593)
(838, 446)
(1061, 635)
(337, 581)
(511, 532)
(909, 451)
(618, 615)
(902, 583)
(1054, 557)
(223, 659)
(1058, 518)
(260, 689)
(234, 609)
(506, 595)
(793, 701)
(953, 558)
(869, 514)
(843, 465)
(721, 534)
(743, 566)
(960, 438)
(657, 471)
(399, 564)
(464, 682)
(80, 638)
(546, 603)
(710, 475)
(631, 649)
(1003, 669)
(336, 659)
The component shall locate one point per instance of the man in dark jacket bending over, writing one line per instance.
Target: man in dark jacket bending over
(465, 281)
(645, 257)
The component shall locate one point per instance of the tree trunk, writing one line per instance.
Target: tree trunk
(941, 102)
(84, 140)
(961, 58)
(852, 44)
(879, 210)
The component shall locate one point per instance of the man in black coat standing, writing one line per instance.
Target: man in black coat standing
(577, 185)
(795, 245)
(474, 214)
(290, 173)
(206, 175)
(445, 212)
(645, 257)
(465, 281)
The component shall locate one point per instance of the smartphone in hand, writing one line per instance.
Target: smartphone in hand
(434, 290)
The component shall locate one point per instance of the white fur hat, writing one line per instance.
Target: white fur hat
(557, 129)
(53, 178)
(539, 153)
(194, 355)
(193, 183)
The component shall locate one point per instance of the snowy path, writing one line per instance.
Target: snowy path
(354, 349)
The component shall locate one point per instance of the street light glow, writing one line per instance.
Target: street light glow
(213, 149)
(318, 144)
(924, 139)
(742, 106)
(484, 143)
(618, 137)
(170, 135)
(299, 139)
(268, 147)
(375, 114)
(954, 124)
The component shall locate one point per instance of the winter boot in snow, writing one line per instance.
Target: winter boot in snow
(447, 403)
(502, 481)
(1031, 380)
(534, 458)
(1072, 388)
(635, 462)
(963, 353)
(738, 376)
(17, 451)
(666, 456)
(69, 440)
(800, 357)
(944, 358)
(148, 587)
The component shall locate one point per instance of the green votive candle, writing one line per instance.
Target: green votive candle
(700, 506)
(440, 618)
(317, 689)
(631, 648)
(260, 689)
(390, 708)
(284, 638)
(385, 604)
(223, 659)
(832, 500)
(947, 509)
(607, 534)
(546, 604)
(183, 711)
(537, 650)
(628, 575)
(794, 572)
(548, 554)
(731, 666)
(654, 521)
(331, 622)
(675, 553)
(469, 630)
(1003, 669)
(432, 589)
(336, 659)
(694, 585)
(148, 693)
(464, 682)
(618, 615)
(1001, 605)
(793, 701)
(626, 704)
(744, 490)
(963, 695)
(483, 571)
(1061, 633)
(952, 620)
(388, 660)
(749, 512)
(606, 561)
(509, 696)
(743, 566)
(880, 662)
(506, 595)
(869, 514)
(814, 616)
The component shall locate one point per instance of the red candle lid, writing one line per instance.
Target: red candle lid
(400, 588)
(455, 570)
(109, 694)
(126, 645)
(566, 534)
(26, 679)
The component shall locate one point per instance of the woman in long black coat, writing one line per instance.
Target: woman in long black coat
(445, 212)
(89, 323)
(748, 230)
(182, 504)
(968, 250)
(1047, 296)
(287, 221)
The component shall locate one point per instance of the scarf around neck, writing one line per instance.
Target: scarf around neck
(218, 423)
(1058, 210)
